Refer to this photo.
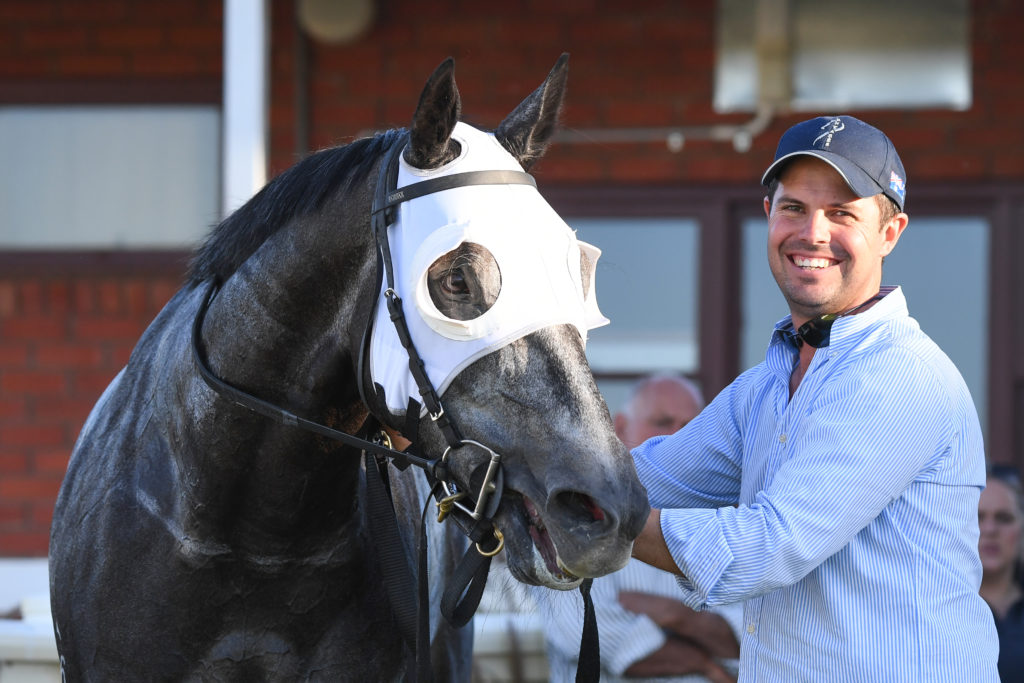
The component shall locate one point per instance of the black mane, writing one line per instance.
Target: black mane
(297, 191)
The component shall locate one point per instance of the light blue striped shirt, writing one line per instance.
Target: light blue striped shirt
(855, 541)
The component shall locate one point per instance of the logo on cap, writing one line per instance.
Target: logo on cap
(830, 128)
(896, 184)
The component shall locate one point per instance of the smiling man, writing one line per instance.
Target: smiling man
(834, 486)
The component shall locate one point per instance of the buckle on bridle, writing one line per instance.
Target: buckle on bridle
(487, 487)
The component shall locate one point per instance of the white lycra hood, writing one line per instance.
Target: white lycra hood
(537, 254)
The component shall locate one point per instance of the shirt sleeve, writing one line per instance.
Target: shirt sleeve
(865, 439)
(700, 465)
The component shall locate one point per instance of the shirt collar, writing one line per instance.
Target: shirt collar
(892, 305)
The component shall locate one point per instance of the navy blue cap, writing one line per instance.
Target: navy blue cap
(862, 154)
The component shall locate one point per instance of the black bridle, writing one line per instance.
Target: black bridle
(462, 595)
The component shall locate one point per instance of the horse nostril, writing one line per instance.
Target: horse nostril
(580, 505)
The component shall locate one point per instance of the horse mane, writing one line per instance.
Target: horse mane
(298, 191)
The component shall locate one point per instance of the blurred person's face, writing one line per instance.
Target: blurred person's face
(1000, 523)
(663, 407)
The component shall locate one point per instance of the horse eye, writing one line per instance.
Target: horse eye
(464, 283)
(454, 282)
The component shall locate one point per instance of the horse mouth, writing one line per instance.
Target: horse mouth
(545, 547)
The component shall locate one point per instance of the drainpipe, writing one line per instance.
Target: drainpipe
(246, 94)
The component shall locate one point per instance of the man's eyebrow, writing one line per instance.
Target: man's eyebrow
(787, 199)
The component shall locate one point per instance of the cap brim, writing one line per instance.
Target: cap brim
(862, 184)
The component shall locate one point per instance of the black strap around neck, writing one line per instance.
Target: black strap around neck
(817, 332)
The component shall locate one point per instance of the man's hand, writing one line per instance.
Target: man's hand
(707, 630)
(678, 657)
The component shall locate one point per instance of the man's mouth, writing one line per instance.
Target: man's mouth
(809, 263)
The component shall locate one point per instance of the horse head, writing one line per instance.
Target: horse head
(499, 297)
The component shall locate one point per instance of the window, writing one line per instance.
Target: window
(647, 285)
(942, 265)
(842, 55)
(108, 177)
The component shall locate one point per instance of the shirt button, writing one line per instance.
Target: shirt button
(782, 438)
(750, 628)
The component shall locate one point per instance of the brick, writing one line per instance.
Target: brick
(83, 296)
(128, 37)
(26, 11)
(31, 295)
(60, 409)
(41, 515)
(31, 436)
(165, 63)
(162, 291)
(90, 385)
(196, 37)
(32, 327)
(52, 463)
(13, 463)
(120, 353)
(108, 296)
(24, 544)
(134, 294)
(95, 11)
(32, 382)
(8, 298)
(29, 488)
(67, 355)
(13, 356)
(13, 408)
(11, 517)
(113, 328)
(54, 38)
(58, 297)
(92, 64)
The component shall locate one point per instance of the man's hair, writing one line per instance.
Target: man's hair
(887, 208)
(643, 383)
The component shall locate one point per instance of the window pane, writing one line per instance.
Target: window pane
(647, 286)
(108, 177)
(942, 265)
(762, 305)
(842, 55)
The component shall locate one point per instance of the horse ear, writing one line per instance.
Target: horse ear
(526, 131)
(435, 118)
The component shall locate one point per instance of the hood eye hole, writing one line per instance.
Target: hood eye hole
(465, 282)
(586, 269)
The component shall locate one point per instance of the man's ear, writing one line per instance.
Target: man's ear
(892, 231)
(767, 207)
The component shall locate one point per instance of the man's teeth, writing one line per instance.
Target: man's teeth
(811, 262)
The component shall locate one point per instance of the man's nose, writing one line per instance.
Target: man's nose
(816, 229)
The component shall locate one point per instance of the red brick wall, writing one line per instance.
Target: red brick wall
(66, 328)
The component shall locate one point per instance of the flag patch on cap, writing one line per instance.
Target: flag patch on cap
(896, 184)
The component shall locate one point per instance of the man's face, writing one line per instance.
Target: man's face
(1000, 525)
(663, 407)
(825, 244)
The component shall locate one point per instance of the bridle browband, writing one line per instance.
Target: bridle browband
(462, 595)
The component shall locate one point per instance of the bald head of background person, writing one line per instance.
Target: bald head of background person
(659, 404)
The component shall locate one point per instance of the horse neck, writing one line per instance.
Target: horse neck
(279, 341)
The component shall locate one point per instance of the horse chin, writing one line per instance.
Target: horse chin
(531, 554)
